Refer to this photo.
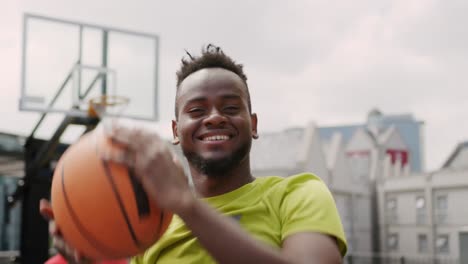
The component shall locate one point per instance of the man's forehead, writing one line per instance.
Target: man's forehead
(211, 80)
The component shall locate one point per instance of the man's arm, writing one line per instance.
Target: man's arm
(324, 248)
(227, 242)
(223, 238)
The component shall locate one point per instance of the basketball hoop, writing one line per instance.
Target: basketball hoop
(107, 105)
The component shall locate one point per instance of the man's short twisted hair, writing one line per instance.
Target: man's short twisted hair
(211, 57)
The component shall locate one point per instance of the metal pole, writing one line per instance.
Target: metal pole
(90, 26)
(156, 70)
(23, 58)
(79, 62)
(34, 245)
(105, 45)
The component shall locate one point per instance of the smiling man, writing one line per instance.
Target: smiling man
(231, 216)
(214, 123)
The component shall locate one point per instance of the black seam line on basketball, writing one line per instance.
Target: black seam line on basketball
(121, 205)
(119, 201)
(161, 222)
(141, 199)
(83, 231)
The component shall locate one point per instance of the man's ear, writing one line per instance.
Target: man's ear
(254, 119)
(175, 134)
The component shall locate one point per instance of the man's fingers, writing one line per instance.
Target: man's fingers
(179, 165)
(132, 137)
(117, 154)
(177, 162)
(122, 134)
(133, 146)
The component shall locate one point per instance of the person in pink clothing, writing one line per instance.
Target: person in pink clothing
(58, 259)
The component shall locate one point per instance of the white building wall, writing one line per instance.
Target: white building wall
(313, 157)
(341, 175)
(353, 197)
(457, 206)
(362, 229)
(451, 184)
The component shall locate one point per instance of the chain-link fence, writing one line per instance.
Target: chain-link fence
(395, 259)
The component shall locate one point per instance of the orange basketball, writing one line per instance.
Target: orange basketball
(99, 207)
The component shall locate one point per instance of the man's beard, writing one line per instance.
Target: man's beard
(218, 167)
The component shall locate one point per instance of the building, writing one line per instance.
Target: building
(410, 130)
(390, 209)
(289, 152)
(422, 214)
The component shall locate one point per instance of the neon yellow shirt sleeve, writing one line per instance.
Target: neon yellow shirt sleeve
(308, 205)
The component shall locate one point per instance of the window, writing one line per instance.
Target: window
(420, 205)
(441, 207)
(442, 243)
(392, 210)
(392, 242)
(422, 243)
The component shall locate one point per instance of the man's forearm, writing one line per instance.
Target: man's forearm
(224, 239)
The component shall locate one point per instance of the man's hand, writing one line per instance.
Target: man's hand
(70, 254)
(155, 165)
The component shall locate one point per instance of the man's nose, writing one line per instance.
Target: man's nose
(215, 118)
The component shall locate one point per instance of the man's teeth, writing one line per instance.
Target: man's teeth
(214, 138)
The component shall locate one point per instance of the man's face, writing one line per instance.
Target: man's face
(214, 125)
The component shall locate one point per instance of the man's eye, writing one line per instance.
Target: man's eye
(195, 110)
(231, 109)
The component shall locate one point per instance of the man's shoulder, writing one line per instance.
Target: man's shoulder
(291, 179)
(275, 184)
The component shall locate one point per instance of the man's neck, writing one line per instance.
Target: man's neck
(208, 186)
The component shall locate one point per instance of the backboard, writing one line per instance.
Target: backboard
(66, 63)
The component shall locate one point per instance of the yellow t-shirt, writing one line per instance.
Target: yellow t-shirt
(269, 208)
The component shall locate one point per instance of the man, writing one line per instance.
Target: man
(231, 217)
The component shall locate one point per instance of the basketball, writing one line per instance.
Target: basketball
(100, 208)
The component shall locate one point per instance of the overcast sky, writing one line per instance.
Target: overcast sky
(329, 62)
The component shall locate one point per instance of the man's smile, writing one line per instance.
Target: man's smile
(216, 136)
